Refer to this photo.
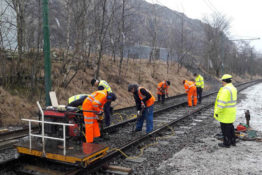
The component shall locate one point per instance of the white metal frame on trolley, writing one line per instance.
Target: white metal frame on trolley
(43, 136)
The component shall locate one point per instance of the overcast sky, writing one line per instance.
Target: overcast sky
(245, 15)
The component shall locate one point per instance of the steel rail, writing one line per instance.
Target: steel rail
(97, 164)
(121, 124)
(10, 135)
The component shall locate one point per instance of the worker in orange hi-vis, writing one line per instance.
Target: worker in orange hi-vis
(162, 90)
(94, 103)
(190, 88)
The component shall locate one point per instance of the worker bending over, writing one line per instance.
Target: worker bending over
(225, 110)
(101, 85)
(94, 103)
(77, 100)
(145, 106)
(199, 81)
(162, 90)
(191, 91)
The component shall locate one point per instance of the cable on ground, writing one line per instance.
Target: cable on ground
(146, 146)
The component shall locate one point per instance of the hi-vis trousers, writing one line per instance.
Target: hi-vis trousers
(192, 93)
(91, 126)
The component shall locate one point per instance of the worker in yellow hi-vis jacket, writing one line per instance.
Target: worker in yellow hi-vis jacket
(225, 110)
(199, 81)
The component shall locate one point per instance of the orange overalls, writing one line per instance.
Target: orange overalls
(190, 88)
(93, 102)
(162, 88)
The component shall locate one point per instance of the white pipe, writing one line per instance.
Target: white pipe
(48, 137)
(52, 123)
(43, 127)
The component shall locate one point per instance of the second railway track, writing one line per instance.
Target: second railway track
(121, 138)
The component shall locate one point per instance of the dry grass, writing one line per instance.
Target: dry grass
(13, 108)
(136, 71)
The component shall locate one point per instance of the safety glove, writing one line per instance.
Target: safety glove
(139, 113)
(100, 113)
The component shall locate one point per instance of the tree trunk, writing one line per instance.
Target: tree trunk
(101, 39)
(122, 39)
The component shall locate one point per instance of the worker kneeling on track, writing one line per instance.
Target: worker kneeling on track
(145, 106)
(191, 91)
(92, 110)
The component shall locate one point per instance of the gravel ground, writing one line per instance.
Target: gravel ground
(194, 150)
(189, 132)
(208, 158)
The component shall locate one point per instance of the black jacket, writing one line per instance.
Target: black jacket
(137, 99)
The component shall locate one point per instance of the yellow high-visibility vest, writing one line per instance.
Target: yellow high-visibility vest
(225, 105)
(199, 81)
(105, 85)
(76, 97)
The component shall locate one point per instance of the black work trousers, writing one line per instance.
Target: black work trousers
(107, 112)
(228, 133)
(199, 94)
(161, 98)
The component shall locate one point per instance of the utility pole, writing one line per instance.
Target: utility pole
(46, 53)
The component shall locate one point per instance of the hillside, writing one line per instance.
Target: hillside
(18, 103)
(79, 35)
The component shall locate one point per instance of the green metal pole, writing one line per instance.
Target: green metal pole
(48, 83)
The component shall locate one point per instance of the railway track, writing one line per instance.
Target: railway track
(125, 140)
(11, 137)
(174, 102)
(126, 115)
(121, 133)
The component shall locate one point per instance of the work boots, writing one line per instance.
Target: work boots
(223, 145)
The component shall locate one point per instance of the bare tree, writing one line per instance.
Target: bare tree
(69, 16)
(19, 8)
(122, 38)
(102, 30)
(113, 30)
(152, 31)
(77, 10)
(183, 43)
(215, 32)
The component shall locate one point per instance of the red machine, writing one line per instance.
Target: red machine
(54, 140)
(63, 117)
